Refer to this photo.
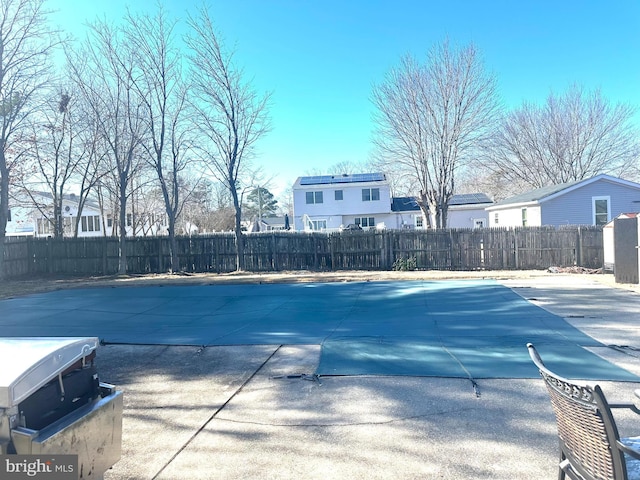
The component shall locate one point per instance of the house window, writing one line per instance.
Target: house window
(90, 223)
(338, 195)
(601, 210)
(419, 221)
(495, 218)
(109, 221)
(314, 197)
(129, 219)
(45, 227)
(9, 215)
(319, 224)
(365, 221)
(478, 223)
(370, 194)
(524, 217)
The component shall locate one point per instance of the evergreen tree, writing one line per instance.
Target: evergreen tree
(260, 203)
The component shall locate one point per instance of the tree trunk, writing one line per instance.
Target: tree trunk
(238, 231)
(4, 210)
(173, 244)
(122, 244)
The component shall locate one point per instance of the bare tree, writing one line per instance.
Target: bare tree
(159, 83)
(571, 137)
(104, 71)
(26, 42)
(431, 118)
(54, 155)
(230, 116)
(93, 165)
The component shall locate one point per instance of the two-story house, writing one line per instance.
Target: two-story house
(331, 202)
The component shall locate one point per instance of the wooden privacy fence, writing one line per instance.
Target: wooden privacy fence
(446, 249)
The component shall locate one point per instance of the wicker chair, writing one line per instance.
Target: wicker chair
(590, 446)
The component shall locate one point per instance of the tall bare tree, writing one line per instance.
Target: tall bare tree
(54, 155)
(104, 71)
(431, 118)
(570, 137)
(159, 83)
(26, 42)
(229, 115)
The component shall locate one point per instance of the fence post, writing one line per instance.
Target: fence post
(579, 253)
(274, 254)
(332, 251)
(451, 250)
(515, 249)
(31, 266)
(49, 256)
(105, 247)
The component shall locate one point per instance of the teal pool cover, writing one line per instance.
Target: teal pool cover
(467, 329)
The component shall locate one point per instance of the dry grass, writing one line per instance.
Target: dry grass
(16, 288)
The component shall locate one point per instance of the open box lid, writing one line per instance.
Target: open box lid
(28, 363)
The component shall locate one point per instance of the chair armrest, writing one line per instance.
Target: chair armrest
(628, 450)
(629, 406)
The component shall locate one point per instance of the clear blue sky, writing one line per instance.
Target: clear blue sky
(320, 58)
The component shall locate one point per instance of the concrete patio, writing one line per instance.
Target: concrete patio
(237, 412)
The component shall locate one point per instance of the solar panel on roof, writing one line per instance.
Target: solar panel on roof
(469, 199)
(330, 179)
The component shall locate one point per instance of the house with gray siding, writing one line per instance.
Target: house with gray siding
(593, 201)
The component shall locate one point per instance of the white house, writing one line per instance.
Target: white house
(33, 216)
(594, 201)
(330, 202)
(468, 210)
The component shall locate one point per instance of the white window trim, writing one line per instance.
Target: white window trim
(593, 208)
(316, 221)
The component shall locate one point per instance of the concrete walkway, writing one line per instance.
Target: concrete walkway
(238, 412)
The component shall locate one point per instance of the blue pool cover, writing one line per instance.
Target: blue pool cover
(468, 329)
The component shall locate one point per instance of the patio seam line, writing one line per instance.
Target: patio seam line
(218, 410)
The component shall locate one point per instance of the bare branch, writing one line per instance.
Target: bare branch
(431, 119)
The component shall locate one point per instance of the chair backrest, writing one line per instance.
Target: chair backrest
(586, 428)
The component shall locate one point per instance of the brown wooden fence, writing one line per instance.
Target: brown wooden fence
(447, 249)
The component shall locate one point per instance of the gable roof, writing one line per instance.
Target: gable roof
(544, 194)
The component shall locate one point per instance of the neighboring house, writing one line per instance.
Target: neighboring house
(268, 224)
(331, 202)
(594, 201)
(468, 210)
(328, 202)
(33, 216)
(407, 213)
